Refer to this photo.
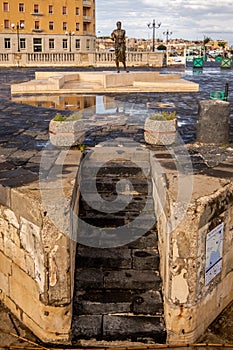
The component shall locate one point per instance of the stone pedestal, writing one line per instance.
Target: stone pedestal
(213, 125)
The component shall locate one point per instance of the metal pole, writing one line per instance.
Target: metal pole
(153, 45)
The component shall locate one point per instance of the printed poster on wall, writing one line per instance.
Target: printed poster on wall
(214, 240)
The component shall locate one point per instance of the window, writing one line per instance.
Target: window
(64, 10)
(65, 44)
(50, 9)
(5, 7)
(37, 25)
(88, 44)
(21, 24)
(7, 43)
(6, 24)
(36, 8)
(22, 43)
(51, 43)
(85, 27)
(51, 25)
(77, 44)
(21, 7)
(77, 12)
(64, 25)
(77, 26)
(37, 45)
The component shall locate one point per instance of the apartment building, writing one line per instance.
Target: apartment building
(47, 26)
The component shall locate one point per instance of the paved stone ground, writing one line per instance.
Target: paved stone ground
(24, 134)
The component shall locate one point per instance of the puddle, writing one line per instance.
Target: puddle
(100, 104)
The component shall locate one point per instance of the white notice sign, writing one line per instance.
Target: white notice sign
(213, 253)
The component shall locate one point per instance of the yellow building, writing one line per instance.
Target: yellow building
(47, 26)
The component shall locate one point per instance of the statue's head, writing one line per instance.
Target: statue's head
(118, 24)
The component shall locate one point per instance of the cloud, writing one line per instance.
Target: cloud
(188, 19)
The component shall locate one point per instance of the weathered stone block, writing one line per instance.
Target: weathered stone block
(31, 242)
(87, 327)
(109, 258)
(11, 218)
(149, 303)
(132, 279)
(150, 239)
(5, 264)
(23, 205)
(25, 293)
(100, 308)
(5, 195)
(90, 278)
(18, 256)
(126, 327)
(146, 259)
(4, 284)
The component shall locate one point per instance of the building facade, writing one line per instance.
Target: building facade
(47, 26)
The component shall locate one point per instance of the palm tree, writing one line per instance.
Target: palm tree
(206, 40)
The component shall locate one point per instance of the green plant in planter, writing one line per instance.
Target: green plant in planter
(160, 128)
(59, 118)
(72, 117)
(164, 115)
(75, 116)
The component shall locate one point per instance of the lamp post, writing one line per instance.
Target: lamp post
(154, 26)
(167, 33)
(70, 34)
(18, 27)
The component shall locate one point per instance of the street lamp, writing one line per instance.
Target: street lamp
(70, 34)
(167, 33)
(18, 27)
(154, 26)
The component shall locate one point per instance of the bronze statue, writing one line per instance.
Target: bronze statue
(118, 36)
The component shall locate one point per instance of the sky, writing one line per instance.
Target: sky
(187, 19)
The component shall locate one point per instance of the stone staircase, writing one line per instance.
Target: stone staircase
(118, 293)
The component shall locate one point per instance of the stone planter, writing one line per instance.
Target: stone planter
(66, 133)
(160, 132)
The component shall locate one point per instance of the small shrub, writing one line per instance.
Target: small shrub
(60, 118)
(164, 115)
(75, 116)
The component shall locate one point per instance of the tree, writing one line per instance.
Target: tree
(222, 44)
(162, 47)
(205, 42)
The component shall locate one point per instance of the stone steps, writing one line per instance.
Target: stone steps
(118, 290)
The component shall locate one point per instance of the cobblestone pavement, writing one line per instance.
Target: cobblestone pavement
(24, 134)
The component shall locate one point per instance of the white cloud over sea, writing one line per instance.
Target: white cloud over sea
(187, 19)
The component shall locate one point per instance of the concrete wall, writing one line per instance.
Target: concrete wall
(34, 273)
(36, 258)
(191, 304)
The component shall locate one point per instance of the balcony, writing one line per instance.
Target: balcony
(36, 14)
(87, 3)
(87, 18)
(37, 30)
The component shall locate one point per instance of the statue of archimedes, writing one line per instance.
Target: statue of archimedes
(118, 36)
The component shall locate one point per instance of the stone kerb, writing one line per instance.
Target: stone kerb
(191, 303)
(37, 258)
